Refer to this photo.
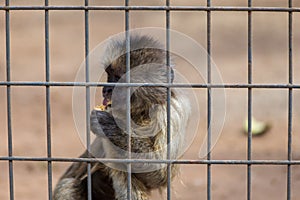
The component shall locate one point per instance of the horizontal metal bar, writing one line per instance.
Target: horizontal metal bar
(155, 8)
(171, 85)
(205, 162)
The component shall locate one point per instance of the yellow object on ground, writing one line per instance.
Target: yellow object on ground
(257, 127)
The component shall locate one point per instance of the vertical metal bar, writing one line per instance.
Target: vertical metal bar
(290, 100)
(128, 104)
(249, 142)
(208, 100)
(8, 96)
(87, 98)
(168, 101)
(48, 108)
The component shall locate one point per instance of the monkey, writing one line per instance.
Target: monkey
(148, 111)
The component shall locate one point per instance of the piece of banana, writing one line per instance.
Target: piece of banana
(103, 107)
(100, 107)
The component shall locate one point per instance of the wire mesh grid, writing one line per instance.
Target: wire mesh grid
(209, 162)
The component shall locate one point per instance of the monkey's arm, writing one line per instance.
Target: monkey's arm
(73, 184)
(103, 124)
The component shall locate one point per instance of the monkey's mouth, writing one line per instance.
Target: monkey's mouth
(104, 106)
(106, 102)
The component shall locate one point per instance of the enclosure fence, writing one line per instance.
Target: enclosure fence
(209, 161)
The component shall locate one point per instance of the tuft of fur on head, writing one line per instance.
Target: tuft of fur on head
(144, 49)
(117, 46)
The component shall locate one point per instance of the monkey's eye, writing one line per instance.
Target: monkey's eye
(117, 77)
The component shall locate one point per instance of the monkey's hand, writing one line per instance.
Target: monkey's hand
(103, 124)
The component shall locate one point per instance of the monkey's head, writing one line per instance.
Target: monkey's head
(147, 65)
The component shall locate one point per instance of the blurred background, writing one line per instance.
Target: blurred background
(229, 52)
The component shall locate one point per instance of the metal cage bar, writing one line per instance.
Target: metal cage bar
(290, 98)
(156, 8)
(48, 106)
(173, 161)
(208, 35)
(8, 99)
(169, 131)
(128, 103)
(173, 85)
(87, 98)
(249, 139)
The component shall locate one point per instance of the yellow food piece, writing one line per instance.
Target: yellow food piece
(100, 107)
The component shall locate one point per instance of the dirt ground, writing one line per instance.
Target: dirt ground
(229, 52)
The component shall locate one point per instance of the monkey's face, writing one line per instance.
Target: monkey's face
(147, 66)
(113, 76)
